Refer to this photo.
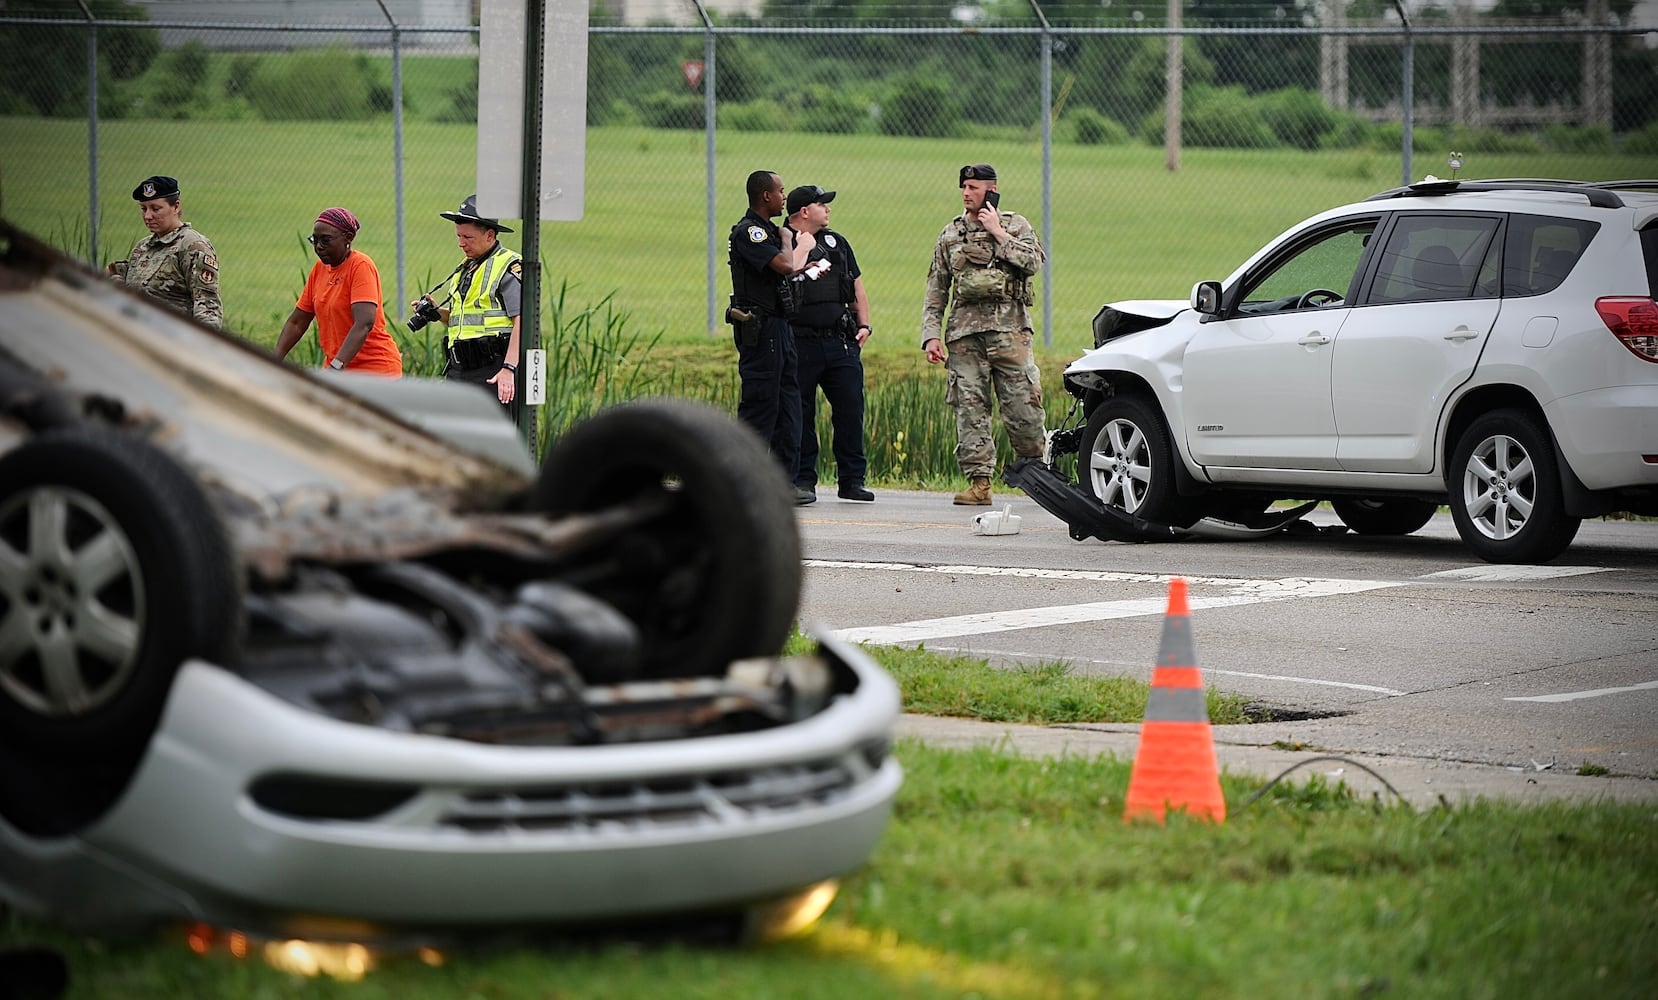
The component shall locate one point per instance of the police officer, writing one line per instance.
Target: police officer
(982, 268)
(762, 259)
(175, 263)
(482, 307)
(830, 326)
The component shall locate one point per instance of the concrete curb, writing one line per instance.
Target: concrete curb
(1421, 781)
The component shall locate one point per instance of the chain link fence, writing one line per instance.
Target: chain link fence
(1151, 144)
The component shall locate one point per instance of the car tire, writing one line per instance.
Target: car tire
(1384, 517)
(114, 568)
(1505, 490)
(1126, 460)
(716, 576)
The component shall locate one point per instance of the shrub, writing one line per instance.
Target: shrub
(1592, 139)
(754, 116)
(1491, 140)
(1222, 118)
(323, 85)
(1094, 129)
(1389, 136)
(670, 109)
(173, 86)
(1349, 132)
(460, 104)
(1642, 141)
(922, 106)
(1296, 116)
(835, 112)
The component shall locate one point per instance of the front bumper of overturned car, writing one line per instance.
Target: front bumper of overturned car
(473, 835)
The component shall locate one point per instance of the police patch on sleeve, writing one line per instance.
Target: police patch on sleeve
(516, 269)
(829, 238)
(756, 234)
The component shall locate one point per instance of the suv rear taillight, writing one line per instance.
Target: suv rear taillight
(1633, 321)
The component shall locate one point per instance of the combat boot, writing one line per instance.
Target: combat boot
(977, 494)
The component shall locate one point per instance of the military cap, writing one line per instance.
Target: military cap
(808, 194)
(976, 172)
(468, 212)
(154, 187)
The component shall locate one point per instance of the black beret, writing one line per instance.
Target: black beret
(808, 194)
(154, 187)
(976, 172)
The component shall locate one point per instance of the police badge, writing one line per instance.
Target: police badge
(756, 234)
(829, 238)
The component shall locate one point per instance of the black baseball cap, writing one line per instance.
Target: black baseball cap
(806, 194)
(156, 186)
(976, 172)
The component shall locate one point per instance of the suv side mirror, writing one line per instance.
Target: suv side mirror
(1206, 298)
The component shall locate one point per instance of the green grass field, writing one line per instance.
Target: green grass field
(1016, 879)
(1123, 226)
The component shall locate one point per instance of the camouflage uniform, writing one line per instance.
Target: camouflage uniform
(988, 336)
(181, 270)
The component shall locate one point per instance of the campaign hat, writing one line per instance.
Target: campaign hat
(468, 212)
(807, 194)
(155, 186)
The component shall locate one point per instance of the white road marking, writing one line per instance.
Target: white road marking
(1596, 693)
(1309, 680)
(1497, 574)
(1243, 592)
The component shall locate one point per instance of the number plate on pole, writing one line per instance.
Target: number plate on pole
(535, 377)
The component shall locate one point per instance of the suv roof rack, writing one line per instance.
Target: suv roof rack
(1598, 193)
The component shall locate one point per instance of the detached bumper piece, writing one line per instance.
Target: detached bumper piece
(1087, 518)
(1083, 513)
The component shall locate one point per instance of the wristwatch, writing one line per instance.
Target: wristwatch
(337, 364)
(864, 326)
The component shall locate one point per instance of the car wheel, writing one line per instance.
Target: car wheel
(114, 569)
(1384, 517)
(1505, 491)
(713, 577)
(1127, 461)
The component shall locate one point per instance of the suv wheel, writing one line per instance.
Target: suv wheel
(1505, 490)
(1127, 461)
(1384, 517)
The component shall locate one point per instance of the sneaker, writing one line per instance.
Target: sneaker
(804, 495)
(854, 491)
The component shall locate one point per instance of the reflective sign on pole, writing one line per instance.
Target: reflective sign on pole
(535, 377)
(501, 109)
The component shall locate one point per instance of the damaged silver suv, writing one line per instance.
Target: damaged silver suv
(1491, 346)
(280, 659)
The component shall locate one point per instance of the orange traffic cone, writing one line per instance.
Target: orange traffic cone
(1175, 766)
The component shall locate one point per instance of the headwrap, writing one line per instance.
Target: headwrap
(341, 219)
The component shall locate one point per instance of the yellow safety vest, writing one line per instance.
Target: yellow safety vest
(478, 312)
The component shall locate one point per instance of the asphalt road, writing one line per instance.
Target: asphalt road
(1407, 647)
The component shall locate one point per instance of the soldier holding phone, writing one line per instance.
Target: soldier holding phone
(983, 266)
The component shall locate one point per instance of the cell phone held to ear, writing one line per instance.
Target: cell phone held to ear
(993, 199)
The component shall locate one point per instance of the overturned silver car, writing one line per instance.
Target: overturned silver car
(274, 657)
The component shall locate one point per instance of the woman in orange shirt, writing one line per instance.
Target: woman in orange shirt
(342, 293)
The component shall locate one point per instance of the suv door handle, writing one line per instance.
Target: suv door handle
(1461, 333)
(1313, 340)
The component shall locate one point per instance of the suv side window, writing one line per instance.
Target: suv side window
(1327, 261)
(1432, 258)
(1540, 251)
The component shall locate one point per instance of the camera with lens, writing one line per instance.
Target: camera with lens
(424, 312)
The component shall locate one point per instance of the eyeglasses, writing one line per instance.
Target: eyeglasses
(321, 241)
